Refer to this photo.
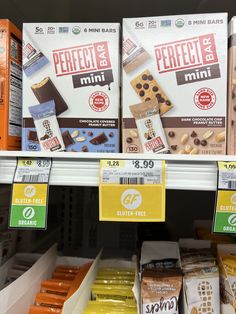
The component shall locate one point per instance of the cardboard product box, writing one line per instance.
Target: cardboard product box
(179, 62)
(28, 284)
(79, 301)
(71, 87)
(231, 135)
(10, 86)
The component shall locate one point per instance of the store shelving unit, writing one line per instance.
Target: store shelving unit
(184, 172)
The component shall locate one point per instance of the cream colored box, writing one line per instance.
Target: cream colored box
(181, 61)
(231, 129)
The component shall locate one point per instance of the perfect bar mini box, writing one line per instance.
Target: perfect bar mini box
(71, 73)
(10, 86)
(181, 62)
(231, 135)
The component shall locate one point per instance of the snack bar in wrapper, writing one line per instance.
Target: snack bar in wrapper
(150, 129)
(201, 278)
(160, 291)
(133, 53)
(47, 127)
(227, 267)
(161, 277)
(33, 58)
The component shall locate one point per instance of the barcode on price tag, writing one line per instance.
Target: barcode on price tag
(33, 170)
(131, 172)
(34, 178)
(232, 185)
(125, 180)
(227, 175)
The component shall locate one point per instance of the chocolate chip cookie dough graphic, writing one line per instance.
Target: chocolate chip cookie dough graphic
(45, 91)
(147, 89)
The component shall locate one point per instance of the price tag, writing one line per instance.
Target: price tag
(225, 208)
(132, 190)
(30, 194)
(33, 170)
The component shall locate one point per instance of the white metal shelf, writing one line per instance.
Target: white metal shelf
(185, 172)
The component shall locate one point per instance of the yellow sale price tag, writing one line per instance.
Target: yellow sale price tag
(132, 191)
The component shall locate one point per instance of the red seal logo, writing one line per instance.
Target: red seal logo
(99, 101)
(205, 98)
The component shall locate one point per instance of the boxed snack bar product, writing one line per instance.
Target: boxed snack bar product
(180, 61)
(227, 266)
(231, 134)
(10, 86)
(201, 277)
(71, 87)
(55, 291)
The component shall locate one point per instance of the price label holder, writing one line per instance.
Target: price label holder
(225, 205)
(30, 194)
(132, 190)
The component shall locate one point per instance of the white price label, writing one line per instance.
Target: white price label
(227, 175)
(33, 170)
(131, 171)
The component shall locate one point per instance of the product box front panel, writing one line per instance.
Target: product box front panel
(71, 87)
(231, 135)
(180, 61)
(10, 86)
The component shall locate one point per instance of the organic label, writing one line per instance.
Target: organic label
(30, 194)
(29, 206)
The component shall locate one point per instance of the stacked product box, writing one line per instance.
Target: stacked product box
(10, 86)
(231, 135)
(174, 84)
(71, 87)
